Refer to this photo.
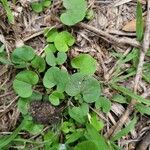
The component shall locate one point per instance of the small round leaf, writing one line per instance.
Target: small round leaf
(56, 77)
(85, 63)
(37, 7)
(75, 11)
(22, 54)
(23, 83)
(63, 40)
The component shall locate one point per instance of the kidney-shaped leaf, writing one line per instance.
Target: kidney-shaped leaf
(22, 54)
(23, 83)
(56, 77)
(85, 63)
(63, 40)
(87, 86)
(75, 11)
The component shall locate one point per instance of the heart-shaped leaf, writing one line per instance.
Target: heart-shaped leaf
(56, 77)
(75, 11)
(46, 3)
(51, 34)
(22, 55)
(38, 63)
(85, 63)
(23, 83)
(37, 7)
(87, 86)
(63, 40)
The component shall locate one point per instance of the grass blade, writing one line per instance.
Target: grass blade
(130, 93)
(8, 11)
(139, 21)
(125, 130)
(6, 140)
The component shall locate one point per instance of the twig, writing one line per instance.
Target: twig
(40, 32)
(143, 145)
(145, 47)
(111, 38)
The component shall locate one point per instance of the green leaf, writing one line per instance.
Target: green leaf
(79, 113)
(75, 11)
(23, 89)
(75, 136)
(31, 127)
(35, 96)
(50, 47)
(46, 3)
(50, 58)
(119, 98)
(86, 145)
(37, 7)
(139, 21)
(146, 75)
(38, 63)
(114, 146)
(63, 40)
(2, 48)
(97, 124)
(61, 58)
(22, 55)
(51, 34)
(55, 97)
(125, 130)
(50, 138)
(23, 105)
(4, 60)
(98, 139)
(8, 11)
(143, 109)
(56, 77)
(87, 86)
(85, 63)
(23, 83)
(129, 92)
(90, 14)
(103, 103)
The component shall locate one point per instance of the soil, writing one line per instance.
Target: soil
(44, 112)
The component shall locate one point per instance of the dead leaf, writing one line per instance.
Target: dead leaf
(131, 26)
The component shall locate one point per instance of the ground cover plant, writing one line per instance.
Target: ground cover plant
(63, 100)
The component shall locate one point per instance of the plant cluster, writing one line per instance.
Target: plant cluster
(77, 90)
